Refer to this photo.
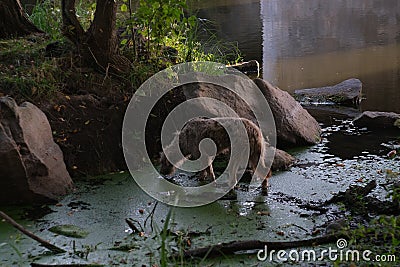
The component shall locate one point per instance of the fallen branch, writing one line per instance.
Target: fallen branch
(43, 242)
(352, 194)
(235, 246)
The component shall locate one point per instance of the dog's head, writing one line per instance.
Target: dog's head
(167, 167)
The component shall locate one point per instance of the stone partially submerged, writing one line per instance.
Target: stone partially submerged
(294, 125)
(376, 120)
(31, 165)
(282, 161)
(347, 93)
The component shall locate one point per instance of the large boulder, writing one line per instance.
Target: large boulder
(213, 109)
(32, 167)
(376, 120)
(346, 93)
(294, 125)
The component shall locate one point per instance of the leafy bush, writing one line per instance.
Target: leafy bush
(168, 35)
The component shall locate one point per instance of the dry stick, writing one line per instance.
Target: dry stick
(151, 215)
(44, 243)
(235, 246)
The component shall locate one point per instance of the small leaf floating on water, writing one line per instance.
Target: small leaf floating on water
(69, 230)
(392, 154)
(316, 232)
(281, 233)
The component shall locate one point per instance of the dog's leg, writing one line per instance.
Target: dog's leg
(264, 185)
(208, 171)
(233, 170)
(211, 169)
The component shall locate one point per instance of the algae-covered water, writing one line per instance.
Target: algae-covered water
(100, 205)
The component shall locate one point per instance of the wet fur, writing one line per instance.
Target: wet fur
(198, 129)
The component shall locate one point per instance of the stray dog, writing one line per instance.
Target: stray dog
(195, 130)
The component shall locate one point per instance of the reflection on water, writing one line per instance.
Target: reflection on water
(311, 43)
(236, 21)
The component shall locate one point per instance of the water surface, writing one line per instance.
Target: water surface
(312, 43)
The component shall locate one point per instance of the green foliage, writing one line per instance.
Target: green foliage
(158, 19)
(382, 235)
(171, 36)
(47, 16)
(164, 235)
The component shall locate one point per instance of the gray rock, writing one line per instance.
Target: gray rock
(31, 165)
(346, 93)
(294, 125)
(378, 120)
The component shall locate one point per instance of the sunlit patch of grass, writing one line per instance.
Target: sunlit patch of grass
(24, 69)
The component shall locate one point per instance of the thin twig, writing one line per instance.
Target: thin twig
(151, 215)
(43, 242)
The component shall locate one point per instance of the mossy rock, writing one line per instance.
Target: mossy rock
(69, 230)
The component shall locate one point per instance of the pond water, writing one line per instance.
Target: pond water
(100, 206)
(313, 43)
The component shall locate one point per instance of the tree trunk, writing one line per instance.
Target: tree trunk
(13, 20)
(98, 46)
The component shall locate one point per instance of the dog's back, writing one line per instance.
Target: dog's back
(217, 129)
